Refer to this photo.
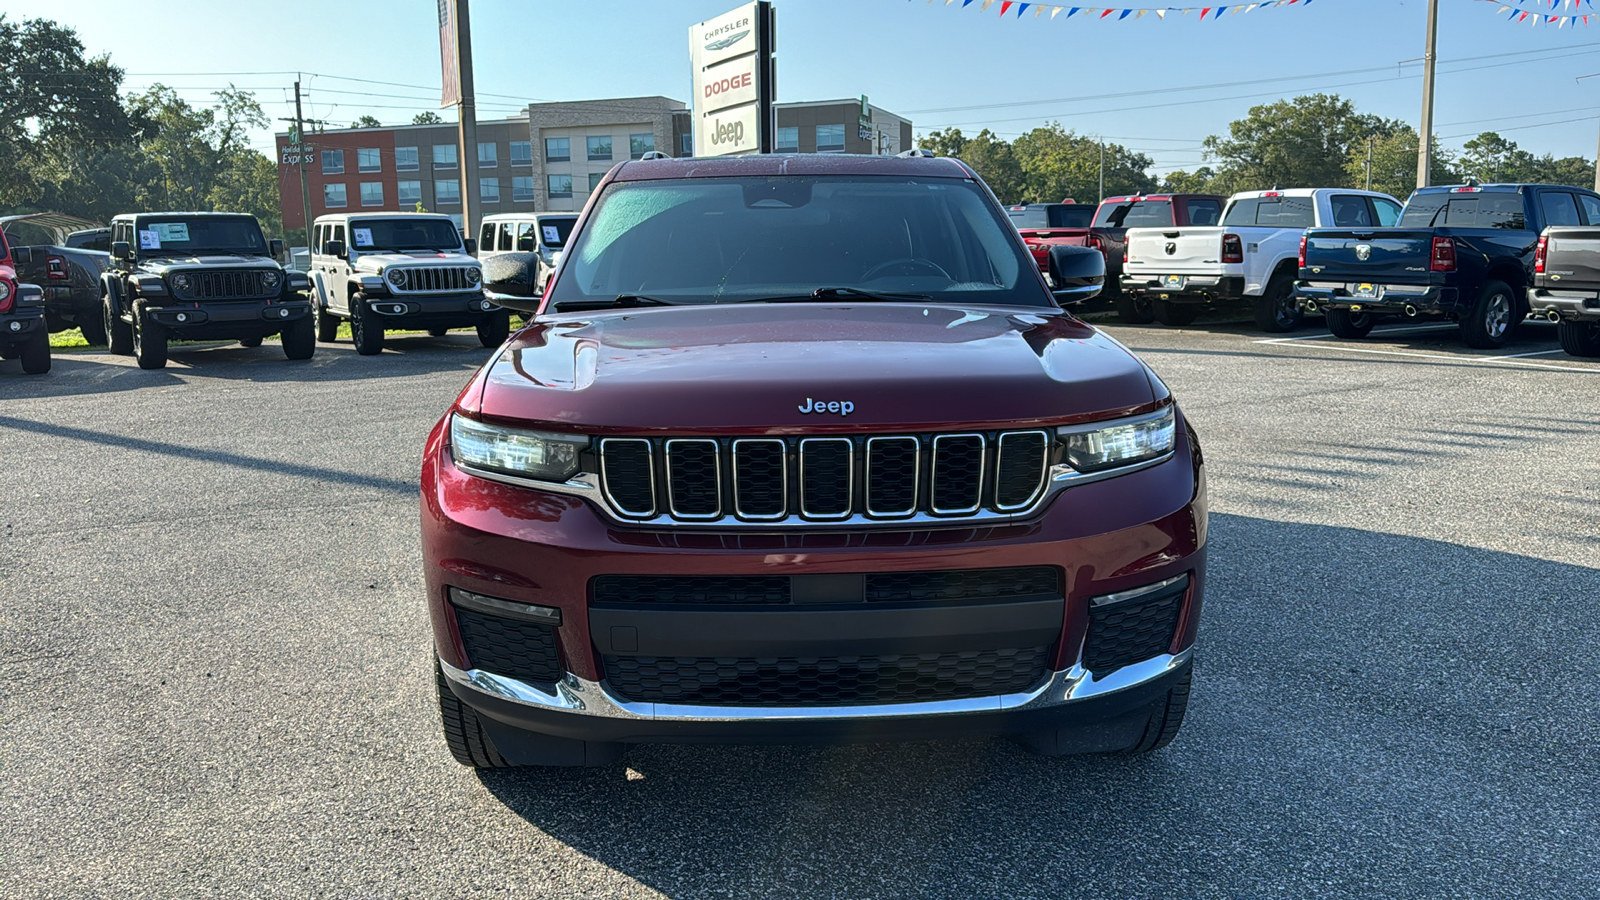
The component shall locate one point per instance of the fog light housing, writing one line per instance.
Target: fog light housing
(16, 326)
(509, 609)
(183, 317)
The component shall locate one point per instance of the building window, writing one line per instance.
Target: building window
(333, 196)
(489, 190)
(456, 220)
(557, 149)
(487, 155)
(368, 160)
(640, 144)
(522, 188)
(686, 144)
(599, 147)
(788, 140)
(444, 155)
(333, 162)
(405, 159)
(408, 192)
(522, 153)
(830, 138)
(371, 193)
(447, 190)
(594, 180)
(559, 185)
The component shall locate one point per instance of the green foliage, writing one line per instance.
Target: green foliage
(427, 118)
(1201, 181)
(1304, 142)
(1489, 158)
(1394, 163)
(1045, 165)
(366, 122)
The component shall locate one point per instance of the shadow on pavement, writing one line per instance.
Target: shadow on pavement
(1373, 713)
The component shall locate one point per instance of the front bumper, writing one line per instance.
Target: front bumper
(19, 324)
(1191, 288)
(193, 320)
(451, 310)
(1576, 306)
(1391, 299)
(532, 547)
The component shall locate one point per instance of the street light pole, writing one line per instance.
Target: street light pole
(1425, 133)
(468, 122)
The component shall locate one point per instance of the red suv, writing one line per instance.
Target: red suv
(802, 448)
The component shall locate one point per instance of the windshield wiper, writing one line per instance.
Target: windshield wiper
(620, 301)
(842, 293)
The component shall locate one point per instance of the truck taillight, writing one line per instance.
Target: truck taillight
(1538, 255)
(1444, 255)
(1232, 249)
(1302, 250)
(1097, 243)
(56, 267)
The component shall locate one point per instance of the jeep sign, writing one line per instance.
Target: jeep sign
(729, 64)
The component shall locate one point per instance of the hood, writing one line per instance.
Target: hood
(163, 265)
(377, 262)
(765, 367)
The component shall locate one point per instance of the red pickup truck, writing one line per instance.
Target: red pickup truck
(1108, 234)
(1046, 225)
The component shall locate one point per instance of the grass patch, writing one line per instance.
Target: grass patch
(72, 338)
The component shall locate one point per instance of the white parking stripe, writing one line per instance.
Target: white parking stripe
(1520, 355)
(1323, 337)
(1458, 360)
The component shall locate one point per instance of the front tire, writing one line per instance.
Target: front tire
(1579, 338)
(468, 742)
(119, 334)
(1169, 313)
(299, 338)
(35, 355)
(327, 323)
(1492, 319)
(493, 331)
(94, 330)
(149, 341)
(1134, 309)
(365, 329)
(1346, 324)
(250, 341)
(1166, 717)
(438, 332)
(1276, 310)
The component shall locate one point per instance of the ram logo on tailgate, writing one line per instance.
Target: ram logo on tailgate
(1363, 252)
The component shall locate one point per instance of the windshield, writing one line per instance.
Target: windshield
(1501, 209)
(1051, 215)
(554, 230)
(726, 240)
(1277, 212)
(369, 235)
(200, 234)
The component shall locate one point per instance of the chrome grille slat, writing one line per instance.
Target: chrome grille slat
(694, 478)
(628, 475)
(955, 485)
(759, 492)
(433, 279)
(821, 465)
(889, 492)
(227, 284)
(1020, 460)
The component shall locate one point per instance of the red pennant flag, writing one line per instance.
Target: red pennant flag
(1005, 6)
(1204, 11)
(1107, 13)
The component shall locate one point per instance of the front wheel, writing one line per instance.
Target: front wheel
(35, 355)
(327, 323)
(94, 330)
(149, 341)
(366, 332)
(299, 338)
(1134, 309)
(119, 334)
(1579, 338)
(438, 332)
(1138, 732)
(1492, 319)
(1346, 324)
(1169, 313)
(1276, 310)
(493, 331)
(250, 342)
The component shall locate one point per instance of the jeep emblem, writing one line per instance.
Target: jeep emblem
(1171, 248)
(1363, 252)
(840, 407)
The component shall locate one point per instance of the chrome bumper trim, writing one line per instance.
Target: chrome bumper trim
(580, 696)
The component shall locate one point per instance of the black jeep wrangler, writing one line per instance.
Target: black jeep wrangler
(200, 276)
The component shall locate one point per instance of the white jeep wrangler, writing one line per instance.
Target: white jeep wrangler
(525, 248)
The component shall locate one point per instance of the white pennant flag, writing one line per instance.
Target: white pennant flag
(1161, 14)
(986, 4)
(1054, 10)
(1141, 13)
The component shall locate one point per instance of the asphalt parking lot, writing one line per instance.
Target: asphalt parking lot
(215, 680)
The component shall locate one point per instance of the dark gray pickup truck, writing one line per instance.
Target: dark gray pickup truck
(60, 254)
(1566, 285)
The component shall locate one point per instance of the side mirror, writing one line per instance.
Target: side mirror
(121, 250)
(275, 247)
(333, 248)
(525, 244)
(471, 245)
(22, 255)
(1078, 274)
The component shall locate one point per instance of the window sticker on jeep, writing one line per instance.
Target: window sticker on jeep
(551, 235)
(149, 240)
(172, 232)
(363, 236)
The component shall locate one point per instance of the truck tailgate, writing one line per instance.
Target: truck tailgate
(1391, 254)
(1181, 251)
(1572, 258)
(1040, 240)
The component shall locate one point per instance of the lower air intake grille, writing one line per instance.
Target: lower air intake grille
(1134, 630)
(947, 586)
(521, 650)
(825, 681)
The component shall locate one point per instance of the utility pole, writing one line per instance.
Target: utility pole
(1102, 172)
(1425, 133)
(300, 138)
(468, 127)
(1369, 162)
(1597, 168)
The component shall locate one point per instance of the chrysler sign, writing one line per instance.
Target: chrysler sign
(725, 56)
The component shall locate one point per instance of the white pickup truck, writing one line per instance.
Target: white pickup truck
(1253, 255)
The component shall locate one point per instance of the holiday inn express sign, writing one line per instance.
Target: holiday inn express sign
(730, 58)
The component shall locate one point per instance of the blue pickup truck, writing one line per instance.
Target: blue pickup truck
(1464, 253)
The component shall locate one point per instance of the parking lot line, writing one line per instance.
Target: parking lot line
(1321, 337)
(1459, 360)
(1520, 355)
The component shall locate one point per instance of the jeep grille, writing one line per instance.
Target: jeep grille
(229, 284)
(850, 480)
(424, 279)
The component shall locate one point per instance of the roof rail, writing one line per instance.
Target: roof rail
(915, 152)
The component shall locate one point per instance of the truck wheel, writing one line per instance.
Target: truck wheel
(493, 331)
(438, 332)
(1579, 338)
(299, 338)
(1346, 324)
(365, 330)
(94, 330)
(1166, 717)
(35, 353)
(468, 742)
(327, 323)
(149, 341)
(1169, 313)
(250, 342)
(119, 334)
(1492, 319)
(1134, 310)
(1276, 310)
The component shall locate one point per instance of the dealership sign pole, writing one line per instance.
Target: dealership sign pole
(731, 58)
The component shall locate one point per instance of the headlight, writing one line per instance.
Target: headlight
(271, 278)
(473, 275)
(397, 277)
(5, 289)
(530, 454)
(180, 283)
(1106, 445)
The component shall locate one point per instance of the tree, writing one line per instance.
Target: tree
(1200, 181)
(427, 118)
(988, 155)
(366, 122)
(1394, 163)
(1304, 142)
(1490, 157)
(53, 99)
(1057, 164)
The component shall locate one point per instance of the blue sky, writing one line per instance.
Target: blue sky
(938, 64)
